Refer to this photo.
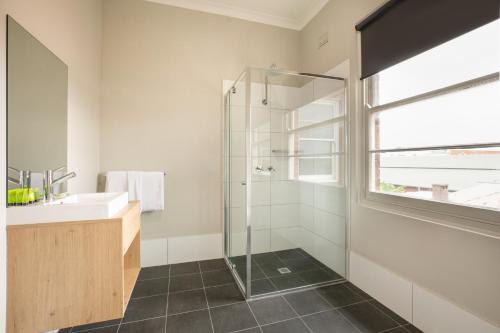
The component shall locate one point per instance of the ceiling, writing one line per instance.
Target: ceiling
(291, 14)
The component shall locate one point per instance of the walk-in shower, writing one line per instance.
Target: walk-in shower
(285, 180)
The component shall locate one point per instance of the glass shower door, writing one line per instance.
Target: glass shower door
(235, 197)
(298, 181)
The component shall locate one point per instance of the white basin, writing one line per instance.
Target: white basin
(75, 207)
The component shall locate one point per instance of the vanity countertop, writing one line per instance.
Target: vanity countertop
(74, 207)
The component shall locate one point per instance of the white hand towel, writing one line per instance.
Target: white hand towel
(116, 181)
(135, 190)
(153, 197)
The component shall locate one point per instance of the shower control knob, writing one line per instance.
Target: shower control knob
(271, 169)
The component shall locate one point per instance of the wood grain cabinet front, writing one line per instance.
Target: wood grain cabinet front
(71, 273)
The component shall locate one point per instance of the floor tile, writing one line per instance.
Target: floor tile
(263, 286)
(217, 278)
(288, 281)
(289, 326)
(329, 321)
(184, 268)
(388, 312)
(96, 325)
(186, 301)
(316, 276)
(257, 273)
(397, 330)
(300, 265)
(109, 329)
(266, 258)
(307, 302)
(212, 265)
(271, 310)
(357, 290)
(150, 287)
(144, 308)
(367, 318)
(150, 326)
(191, 322)
(289, 254)
(339, 295)
(251, 330)
(154, 272)
(224, 295)
(271, 269)
(232, 318)
(185, 282)
(412, 329)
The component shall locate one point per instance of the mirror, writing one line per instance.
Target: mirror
(37, 101)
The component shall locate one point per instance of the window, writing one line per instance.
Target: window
(316, 140)
(434, 123)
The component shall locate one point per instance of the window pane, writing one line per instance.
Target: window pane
(464, 176)
(467, 116)
(469, 56)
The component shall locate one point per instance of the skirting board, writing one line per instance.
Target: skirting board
(425, 310)
(172, 250)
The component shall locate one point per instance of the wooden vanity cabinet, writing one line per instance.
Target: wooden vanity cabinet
(71, 273)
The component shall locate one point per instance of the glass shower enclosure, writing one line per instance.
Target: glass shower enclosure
(285, 180)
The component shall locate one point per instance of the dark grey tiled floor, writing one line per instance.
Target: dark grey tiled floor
(304, 270)
(198, 297)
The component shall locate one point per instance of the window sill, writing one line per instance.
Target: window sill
(475, 220)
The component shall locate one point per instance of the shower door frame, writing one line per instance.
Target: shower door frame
(246, 286)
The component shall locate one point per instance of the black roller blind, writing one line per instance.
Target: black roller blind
(402, 29)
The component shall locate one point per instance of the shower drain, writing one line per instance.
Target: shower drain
(284, 270)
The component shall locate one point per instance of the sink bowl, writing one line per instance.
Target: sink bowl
(75, 207)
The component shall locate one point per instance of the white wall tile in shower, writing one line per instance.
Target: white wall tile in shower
(330, 226)
(260, 119)
(330, 198)
(280, 165)
(284, 215)
(238, 169)
(238, 194)
(284, 192)
(260, 217)
(306, 217)
(238, 144)
(285, 238)
(260, 193)
(261, 144)
(278, 120)
(306, 193)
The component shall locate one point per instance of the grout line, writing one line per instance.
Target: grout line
(340, 313)
(300, 318)
(140, 320)
(206, 299)
(253, 314)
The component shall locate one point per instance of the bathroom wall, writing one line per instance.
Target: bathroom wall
(459, 266)
(162, 108)
(72, 30)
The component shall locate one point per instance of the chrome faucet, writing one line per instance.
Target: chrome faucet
(49, 182)
(23, 179)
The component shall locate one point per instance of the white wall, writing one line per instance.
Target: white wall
(72, 30)
(459, 266)
(162, 105)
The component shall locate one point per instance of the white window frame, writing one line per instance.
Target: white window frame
(478, 220)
